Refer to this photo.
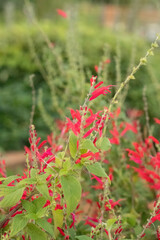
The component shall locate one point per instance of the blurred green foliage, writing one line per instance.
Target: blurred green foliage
(23, 47)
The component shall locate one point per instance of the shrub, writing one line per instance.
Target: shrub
(69, 170)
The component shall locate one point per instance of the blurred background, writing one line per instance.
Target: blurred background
(46, 60)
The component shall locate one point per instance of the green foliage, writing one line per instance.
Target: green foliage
(22, 47)
(58, 220)
(72, 144)
(72, 192)
(96, 169)
(83, 237)
(103, 144)
(11, 197)
(19, 223)
(88, 144)
(35, 232)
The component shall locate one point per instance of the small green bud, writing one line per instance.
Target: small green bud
(143, 61)
(155, 45)
(132, 77)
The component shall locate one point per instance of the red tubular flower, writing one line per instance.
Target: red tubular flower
(49, 220)
(92, 80)
(89, 132)
(154, 139)
(61, 231)
(96, 68)
(62, 13)
(98, 84)
(58, 206)
(23, 237)
(107, 61)
(47, 203)
(42, 143)
(157, 120)
(18, 212)
(99, 91)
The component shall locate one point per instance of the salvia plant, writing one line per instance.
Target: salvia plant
(98, 179)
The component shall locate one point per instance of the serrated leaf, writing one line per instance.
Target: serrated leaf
(19, 222)
(138, 230)
(67, 164)
(32, 216)
(103, 144)
(35, 232)
(63, 172)
(58, 220)
(96, 169)
(12, 198)
(27, 181)
(88, 144)
(83, 237)
(72, 192)
(10, 179)
(28, 206)
(58, 162)
(72, 144)
(41, 213)
(43, 189)
(46, 226)
(33, 173)
(78, 166)
(39, 203)
(5, 190)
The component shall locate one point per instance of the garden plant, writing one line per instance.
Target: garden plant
(98, 178)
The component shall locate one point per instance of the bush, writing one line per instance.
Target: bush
(24, 52)
(78, 166)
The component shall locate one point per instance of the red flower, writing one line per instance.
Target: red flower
(58, 206)
(107, 61)
(62, 13)
(99, 91)
(96, 68)
(157, 120)
(154, 139)
(61, 231)
(98, 84)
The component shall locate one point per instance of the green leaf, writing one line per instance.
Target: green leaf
(19, 222)
(46, 226)
(2, 178)
(63, 172)
(32, 216)
(130, 219)
(43, 189)
(58, 162)
(12, 198)
(72, 144)
(67, 164)
(58, 220)
(88, 144)
(33, 173)
(10, 179)
(110, 223)
(35, 232)
(28, 206)
(138, 229)
(39, 203)
(83, 237)
(96, 169)
(72, 192)
(5, 190)
(103, 144)
(27, 181)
